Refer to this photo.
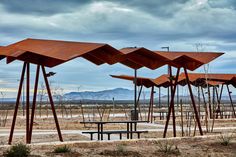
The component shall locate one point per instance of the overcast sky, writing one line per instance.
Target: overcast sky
(179, 24)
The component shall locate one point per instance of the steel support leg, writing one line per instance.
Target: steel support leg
(193, 102)
(173, 107)
(152, 99)
(231, 101)
(34, 103)
(139, 109)
(27, 101)
(171, 103)
(221, 91)
(150, 104)
(17, 103)
(52, 104)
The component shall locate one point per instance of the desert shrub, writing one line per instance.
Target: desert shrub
(167, 147)
(120, 148)
(18, 150)
(225, 139)
(62, 149)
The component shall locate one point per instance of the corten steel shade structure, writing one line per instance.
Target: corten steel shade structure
(213, 80)
(195, 79)
(2, 56)
(50, 53)
(190, 61)
(137, 58)
(141, 81)
(185, 60)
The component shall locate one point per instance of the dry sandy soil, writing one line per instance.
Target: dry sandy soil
(193, 146)
(147, 146)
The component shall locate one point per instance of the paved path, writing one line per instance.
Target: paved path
(160, 128)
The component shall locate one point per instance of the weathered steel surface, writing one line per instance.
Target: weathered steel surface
(143, 57)
(53, 52)
(147, 82)
(191, 60)
(196, 79)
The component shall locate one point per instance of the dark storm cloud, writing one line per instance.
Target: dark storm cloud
(131, 20)
(42, 7)
(166, 8)
(148, 23)
(231, 4)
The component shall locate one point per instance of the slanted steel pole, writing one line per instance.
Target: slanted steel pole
(173, 107)
(52, 103)
(139, 94)
(27, 101)
(193, 101)
(199, 101)
(213, 101)
(178, 95)
(34, 103)
(159, 97)
(217, 100)
(171, 103)
(231, 101)
(135, 94)
(168, 96)
(221, 91)
(218, 97)
(17, 103)
(150, 104)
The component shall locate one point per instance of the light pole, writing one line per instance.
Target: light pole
(169, 73)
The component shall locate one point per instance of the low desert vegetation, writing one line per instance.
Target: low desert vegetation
(167, 147)
(18, 150)
(225, 139)
(62, 149)
(120, 150)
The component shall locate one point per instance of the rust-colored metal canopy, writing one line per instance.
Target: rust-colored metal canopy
(54, 52)
(196, 79)
(147, 82)
(216, 78)
(190, 60)
(141, 57)
(202, 79)
(162, 81)
(2, 53)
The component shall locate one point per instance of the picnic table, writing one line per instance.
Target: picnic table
(131, 128)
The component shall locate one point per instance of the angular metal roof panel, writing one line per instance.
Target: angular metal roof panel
(2, 54)
(147, 82)
(192, 60)
(144, 57)
(213, 79)
(53, 52)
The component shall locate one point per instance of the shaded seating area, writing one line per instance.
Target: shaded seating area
(130, 130)
(185, 60)
(51, 53)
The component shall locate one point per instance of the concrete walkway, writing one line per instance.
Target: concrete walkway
(21, 132)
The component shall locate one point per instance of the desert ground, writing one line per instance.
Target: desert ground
(188, 141)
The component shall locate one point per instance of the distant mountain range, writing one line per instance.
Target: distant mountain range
(124, 94)
(117, 94)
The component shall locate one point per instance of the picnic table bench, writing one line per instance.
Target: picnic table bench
(131, 129)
